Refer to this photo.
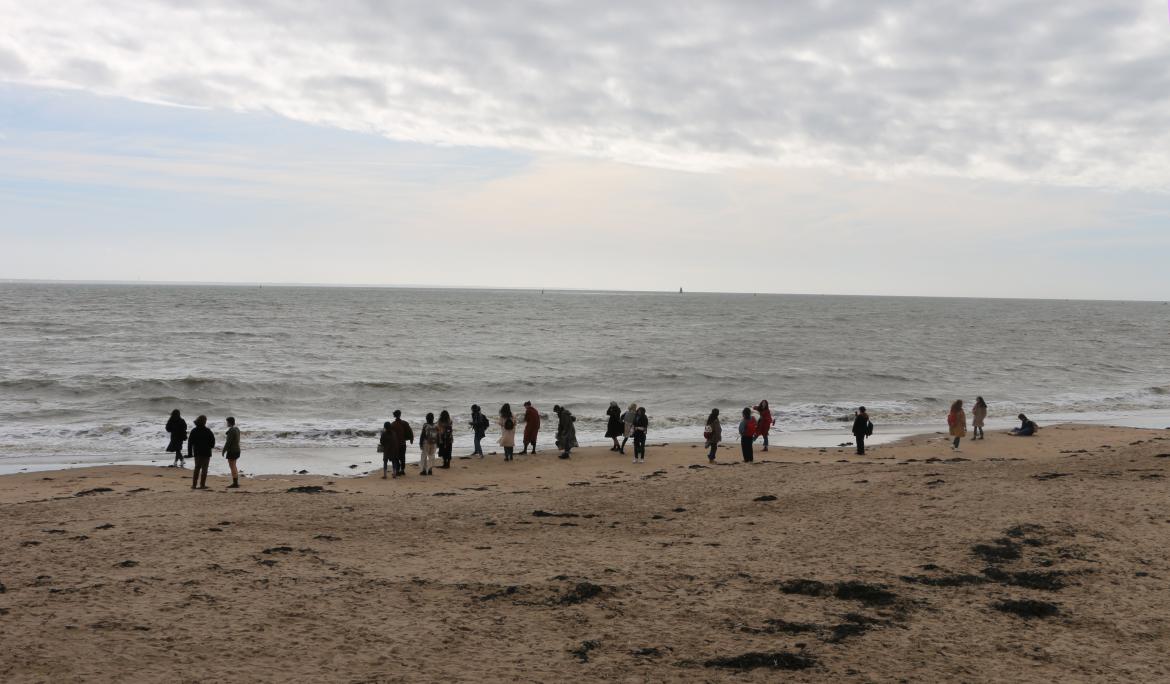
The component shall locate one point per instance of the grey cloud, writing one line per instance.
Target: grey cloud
(1014, 89)
(11, 65)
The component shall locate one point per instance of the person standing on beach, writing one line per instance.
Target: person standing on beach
(978, 416)
(395, 446)
(199, 446)
(764, 424)
(428, 441)
(614, 427)
(386, 447)
(531, 426)
(566, 431)
(479, 425)
(627, 426)
(177, 429)
(712, 434)
(641, 424)
(957, 422)
(862, 428)
(446, 438)
(231, 450)
(507, 432)
(747, 435)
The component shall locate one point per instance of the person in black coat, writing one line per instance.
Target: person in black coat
(614, 428)
(199, 446)
(862, 428)
(177, 429)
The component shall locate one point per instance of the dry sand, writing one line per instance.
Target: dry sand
(891, 567)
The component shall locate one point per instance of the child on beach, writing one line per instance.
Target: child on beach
(1027, 427)
(231, 450)
(978, 415)
(712, 434)
(177, 429)
(747, 435)
(507, 433)
(957, 423)
(446, 438)
(428, 441)
(641, 423)
(764, 424)
(199, 446)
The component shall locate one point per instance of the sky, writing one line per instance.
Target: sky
(904, 147)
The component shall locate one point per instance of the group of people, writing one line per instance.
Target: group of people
(200, 445)
(436, 436)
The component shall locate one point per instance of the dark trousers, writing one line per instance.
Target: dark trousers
(860, 444)
(508, 453)
(478, 449)
(445, 454)
(711, 454)
(745, 443)
(199, 475)
(640, 444)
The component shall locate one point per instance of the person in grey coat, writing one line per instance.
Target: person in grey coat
(566, 431)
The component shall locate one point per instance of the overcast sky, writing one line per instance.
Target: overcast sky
(992, 148)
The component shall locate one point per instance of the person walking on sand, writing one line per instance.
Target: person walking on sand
(614, 427)
(641, 424)
(446, 438)
(394, 445)
(978, 416)
(177, 429)
(428, 442)
(862, 428)
(764, 424)
(627, 426)
(566, 431)
(479, 425)
(957, 422)
(199, 446)
(712, 434)
(531, 426)
(747, 435)
(507, 432)
(231, 450)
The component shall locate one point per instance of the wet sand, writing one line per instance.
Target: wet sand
(1038, 559)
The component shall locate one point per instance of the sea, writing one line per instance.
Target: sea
(90, 372)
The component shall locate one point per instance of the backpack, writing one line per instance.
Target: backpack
(868, 428)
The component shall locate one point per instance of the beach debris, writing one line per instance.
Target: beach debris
(445, 494)
(1048, 580)
(128, 564)
(583, 591)
(780, 660)
(582, 651)
(1048, 476)
(1027, 608)
(1162, 455)
(106, 526)
(1023, 530)
(546, 514)
(30, 542)
(766, 497)
(3, 589)
(851, 590)
(53, 531)
(506, 591)
(267, 561)
(278, 549)
(327, 537)
(91, 492)
(997, 552)
(308, 489)
(680, 509)
(580, 484)
(944, 580)
(647, 652)
(215, 529)
(696, 466)
(778, 626)
(935, 483)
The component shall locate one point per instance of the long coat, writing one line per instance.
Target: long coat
(957, 421)
(615, 427)
(531, 424)
(566, 431)
(507, 437)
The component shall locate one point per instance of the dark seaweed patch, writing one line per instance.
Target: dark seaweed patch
(91, 492)
(780, 660)
(1027, 608)
(1031, 579)
(582, 592)
(944, 580)
(852, 590)
(582, 651)
(307, 489)
(546, 514)
(997, 552)
(766, 497)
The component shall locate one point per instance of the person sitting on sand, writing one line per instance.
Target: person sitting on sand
(446, 438)
(507, 433)
(531, 426)
(747, 435)
(765, 422)
(641, 424)
(862, 428)
(479, 425)
(978, 416)
(712, 434)
(199, 446)
(428, 443)
(231, 450)
(614, 427)
(957, 423)
(394, 448)
(1027, 427)
(177, 429)
(627, 426)
(566, 431)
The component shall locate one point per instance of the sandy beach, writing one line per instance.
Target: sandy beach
(1039, 559)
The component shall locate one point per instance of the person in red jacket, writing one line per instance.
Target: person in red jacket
(531, 426)
(765, 422)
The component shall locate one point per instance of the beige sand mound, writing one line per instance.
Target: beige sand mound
(1038, 559)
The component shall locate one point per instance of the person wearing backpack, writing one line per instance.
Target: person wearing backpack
(747, 435)
(446, 438)
(428, 442)
(712, 434)
(479, 425)
(507, 431)
(862, 428)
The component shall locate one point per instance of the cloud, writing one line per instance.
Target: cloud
(1075, 92)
